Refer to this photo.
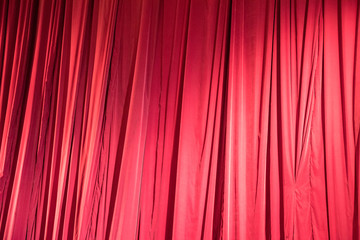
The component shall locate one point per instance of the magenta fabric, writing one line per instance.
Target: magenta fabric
(179, 119)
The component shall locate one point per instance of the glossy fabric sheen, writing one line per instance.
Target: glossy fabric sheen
(179, 119)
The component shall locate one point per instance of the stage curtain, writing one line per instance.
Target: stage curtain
(179, 119)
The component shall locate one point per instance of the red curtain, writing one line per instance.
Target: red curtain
(183, 119)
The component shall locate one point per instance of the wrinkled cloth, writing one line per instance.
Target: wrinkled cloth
(179, 119)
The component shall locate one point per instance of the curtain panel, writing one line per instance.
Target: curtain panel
(179, 119)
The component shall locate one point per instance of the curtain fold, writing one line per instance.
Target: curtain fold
(179, 119)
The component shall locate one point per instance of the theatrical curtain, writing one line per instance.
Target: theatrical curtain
(179, 119)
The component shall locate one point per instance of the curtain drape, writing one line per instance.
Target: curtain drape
(179, 119)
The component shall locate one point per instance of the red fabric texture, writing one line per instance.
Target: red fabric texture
(182, 119)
